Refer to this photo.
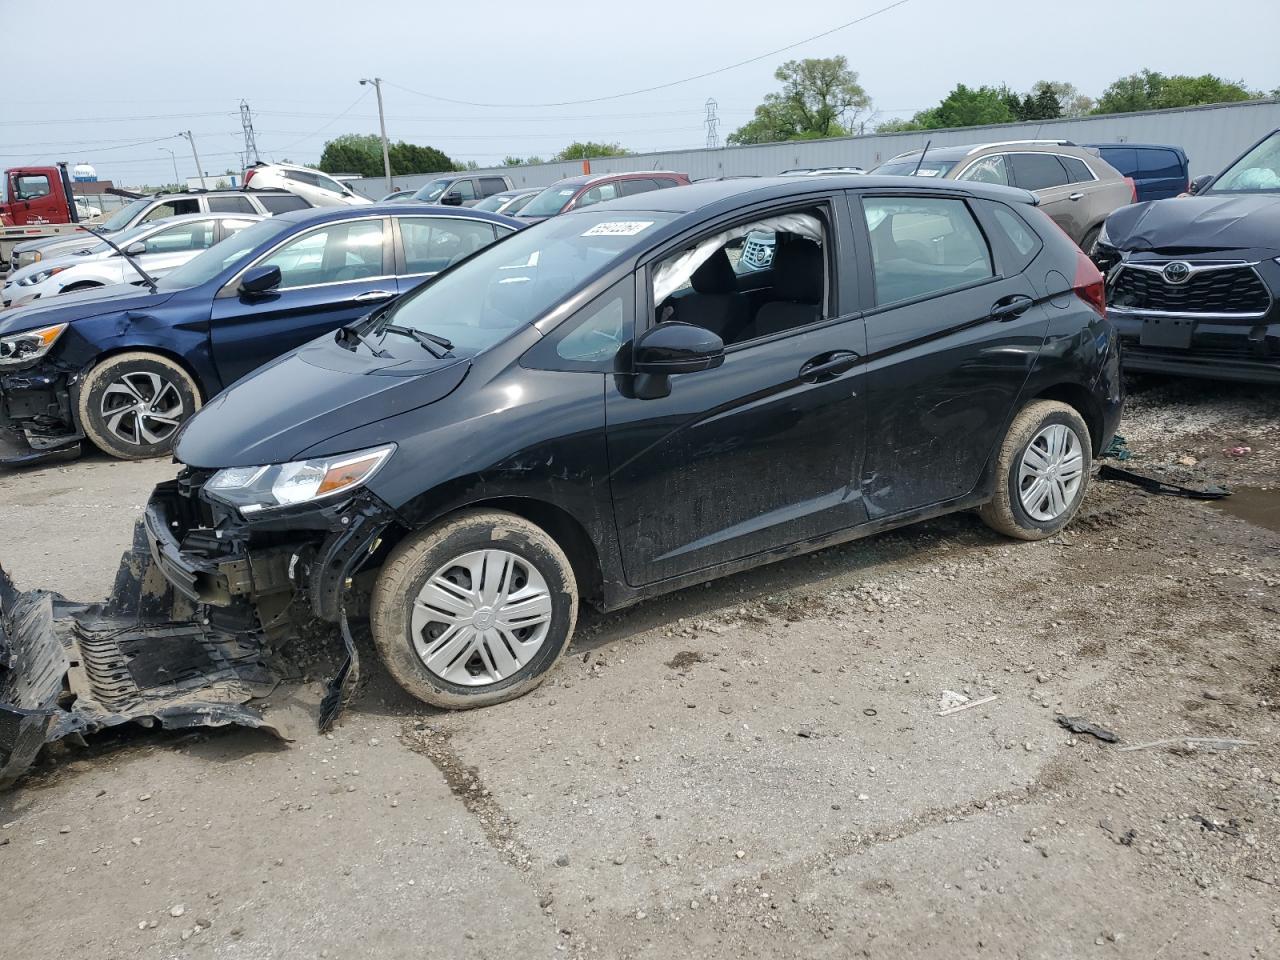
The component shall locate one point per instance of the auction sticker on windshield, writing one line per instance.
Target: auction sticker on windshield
(618, 228)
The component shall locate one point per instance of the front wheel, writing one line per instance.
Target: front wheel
(475, 610)
(1042, 472)
(132, 404)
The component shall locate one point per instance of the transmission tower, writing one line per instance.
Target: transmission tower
(250, 145)
(713, 124)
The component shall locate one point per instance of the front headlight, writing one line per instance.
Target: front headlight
(41, 276)
(29, 345)
(285, 484)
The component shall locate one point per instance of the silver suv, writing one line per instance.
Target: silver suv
(160, 206)
(1076, 187)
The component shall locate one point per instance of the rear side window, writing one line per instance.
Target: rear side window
(171, 208)
(1021, 237)
(639, 185)
(923, 247)
(664, 182)
(282, 202)
(1124, 159)
(1037, 171)
(433, 243)
(1159, 163)
(492, 185)
(230, 205)
(1077, 170)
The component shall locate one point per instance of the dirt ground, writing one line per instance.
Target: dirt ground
(757, 768)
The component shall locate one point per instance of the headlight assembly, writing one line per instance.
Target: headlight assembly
(29, 345)
(41, 276)
(285, 484)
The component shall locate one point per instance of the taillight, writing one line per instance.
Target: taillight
(248, 175)
(1133, 189)
(1089, 284)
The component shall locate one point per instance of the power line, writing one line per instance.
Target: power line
(136, 143)
(363, 93)
(154, 116)
(673, 83)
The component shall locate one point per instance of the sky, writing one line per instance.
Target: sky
(152, 69)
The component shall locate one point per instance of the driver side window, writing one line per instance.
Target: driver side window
(337, 253)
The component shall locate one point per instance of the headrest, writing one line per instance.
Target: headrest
(797, 271)
(715, 275)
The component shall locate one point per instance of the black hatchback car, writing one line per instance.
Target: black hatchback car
(613, 404)
(1194, 281)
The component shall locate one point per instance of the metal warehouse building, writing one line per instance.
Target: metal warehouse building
(1211, 136)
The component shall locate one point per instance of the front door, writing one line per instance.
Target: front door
(330, 276)
(950, 343)
(759, 453)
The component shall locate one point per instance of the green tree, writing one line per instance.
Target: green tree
(1152, 90)
(819, 98)
(362, 154)
(583, 150)
(1071, 103)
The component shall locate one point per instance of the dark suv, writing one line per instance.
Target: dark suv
(462, 189)
(1193, 281)
(609, 407)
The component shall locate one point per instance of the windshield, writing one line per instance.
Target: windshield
(431, 191)
(514, 282)
(907, 168)
(224, 255)
(492, 203)
(120, 219)
(121, 239)
(1258, 171)
(549, 202)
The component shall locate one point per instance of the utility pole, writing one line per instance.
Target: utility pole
(177, 181)
(199, 169)
(382, 123)
(246, 123)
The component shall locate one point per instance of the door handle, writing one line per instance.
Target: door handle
(373, 295)
(1076, 196)
(1010, 307)
(828, 366)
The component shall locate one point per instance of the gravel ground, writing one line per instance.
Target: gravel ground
(756, 768)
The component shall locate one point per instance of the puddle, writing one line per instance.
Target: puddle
(1259, 507)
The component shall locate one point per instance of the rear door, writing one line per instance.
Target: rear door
(953, 329)
(1044, 175)
(1163, 173)
(332, 274)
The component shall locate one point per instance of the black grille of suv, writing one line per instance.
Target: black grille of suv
(1233, 290)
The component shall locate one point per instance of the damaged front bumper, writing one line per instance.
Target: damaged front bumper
(36, 414)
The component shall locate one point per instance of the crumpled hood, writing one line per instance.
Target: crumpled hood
(306, 397)
(1191, 224)
(69, 307)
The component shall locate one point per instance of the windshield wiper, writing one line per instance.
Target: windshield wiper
(349, 335)
(438, 347)
(146, 277)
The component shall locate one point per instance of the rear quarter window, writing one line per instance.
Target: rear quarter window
(1077, 170)
(282, 202)
(1021, 242)
(1124, 159)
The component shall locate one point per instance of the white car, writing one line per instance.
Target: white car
(157, 247)
(319, 188)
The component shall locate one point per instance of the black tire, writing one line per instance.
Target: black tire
(1090, 240)
(144, 432)
(417, 558)
(1005, 513)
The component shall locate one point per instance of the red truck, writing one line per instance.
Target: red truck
(40, 202)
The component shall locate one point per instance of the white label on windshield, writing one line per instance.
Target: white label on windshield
(618, 228)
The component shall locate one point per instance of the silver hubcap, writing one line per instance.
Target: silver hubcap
(481, 617)
(1051, 472)
(142, 408)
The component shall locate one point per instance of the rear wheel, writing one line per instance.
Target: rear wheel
(132, 404)
(1090, 240)
(1042, 472)
(475, 610)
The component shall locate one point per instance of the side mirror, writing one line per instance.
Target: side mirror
(677, 348)
(1199, 183)
(136, 249)
(260, 280)
(452, 199)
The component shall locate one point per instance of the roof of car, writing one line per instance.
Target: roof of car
(1134, 146)
(707, 194)
(960, 151)
(585, 178)
(415, 209)
(211, 215)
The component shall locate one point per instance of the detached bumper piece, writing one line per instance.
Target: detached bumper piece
(70, 669)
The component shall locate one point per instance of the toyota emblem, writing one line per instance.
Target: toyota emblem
(1177, 272)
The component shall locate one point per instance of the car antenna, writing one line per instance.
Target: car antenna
(916, 171)
(146, 277)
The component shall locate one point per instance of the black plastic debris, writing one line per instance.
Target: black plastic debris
(1081, 725)
(1163, 487)
(145, 656)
